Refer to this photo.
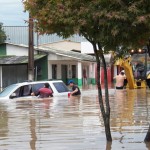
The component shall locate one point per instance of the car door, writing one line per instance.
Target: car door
(22, 91)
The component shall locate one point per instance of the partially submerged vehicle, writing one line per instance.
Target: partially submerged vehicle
(24, 89)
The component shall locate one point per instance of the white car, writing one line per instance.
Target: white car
(24, 89)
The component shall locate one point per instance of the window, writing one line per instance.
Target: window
(26, 90)
(60, 87)
(54, 71)
(73, 71)
(36, 87)
(7, 90)
(17, 92)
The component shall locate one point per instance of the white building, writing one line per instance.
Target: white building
(61, 60)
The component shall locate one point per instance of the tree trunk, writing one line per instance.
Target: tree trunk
(147, 138)
(148, 47)
(106, 115)
(107, 128)
(108, 146)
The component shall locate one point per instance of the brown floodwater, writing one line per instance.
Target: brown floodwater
(75, 123)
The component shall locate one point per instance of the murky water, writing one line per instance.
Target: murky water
(64, 123)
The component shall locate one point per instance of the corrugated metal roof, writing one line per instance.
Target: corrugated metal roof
(17, 59)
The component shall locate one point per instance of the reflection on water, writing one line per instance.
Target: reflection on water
(75, 123)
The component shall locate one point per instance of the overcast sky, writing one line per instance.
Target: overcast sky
(12, 13)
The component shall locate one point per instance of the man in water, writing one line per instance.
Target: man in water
(75, 89)
(120, 80)
(44, 92)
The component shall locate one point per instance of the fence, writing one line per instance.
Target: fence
(19, 35)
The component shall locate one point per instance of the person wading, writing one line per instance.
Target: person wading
(75, 89)
(44, 92)
(120, 80)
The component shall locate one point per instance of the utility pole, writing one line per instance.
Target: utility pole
(31, 50)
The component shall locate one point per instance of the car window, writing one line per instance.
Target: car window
(60, 87)
(36, 87)
(17, 92)
(26, 90)
(7, 90)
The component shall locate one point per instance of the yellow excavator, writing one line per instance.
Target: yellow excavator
(132, 82)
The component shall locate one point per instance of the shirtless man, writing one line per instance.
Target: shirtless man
(120, 80)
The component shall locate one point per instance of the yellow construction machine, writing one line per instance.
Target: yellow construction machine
(127, 66)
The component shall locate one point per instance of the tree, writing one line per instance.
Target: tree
(106, 24)
(2, 34)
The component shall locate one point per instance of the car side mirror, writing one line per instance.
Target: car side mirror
(13, 95)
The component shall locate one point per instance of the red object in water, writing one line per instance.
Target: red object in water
(69, 95)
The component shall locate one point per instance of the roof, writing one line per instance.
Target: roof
(65, 45)
(17, 59)
(71, 54)
(75, 55)
(18, 45)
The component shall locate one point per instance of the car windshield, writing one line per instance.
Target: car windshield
(7, 90)
(61, 87)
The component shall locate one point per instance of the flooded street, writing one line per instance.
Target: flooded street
(63, 123)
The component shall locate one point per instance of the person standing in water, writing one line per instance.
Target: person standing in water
(120, 80)
(44, 92)
(75, 89)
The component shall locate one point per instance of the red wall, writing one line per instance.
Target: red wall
(109, 75)
(110, 72)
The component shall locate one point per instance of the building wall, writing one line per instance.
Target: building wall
(87, 48)
(2, 49)
(91, 73)
(60, 64)
(16, 50)
(41, 69)
(109, 75)
(13, 74)
(74, 71)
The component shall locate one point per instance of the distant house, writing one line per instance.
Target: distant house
(51, 61)
(14, 63)
(66, 62)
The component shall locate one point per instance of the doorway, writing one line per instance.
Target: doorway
(54, 71)
(64, 73)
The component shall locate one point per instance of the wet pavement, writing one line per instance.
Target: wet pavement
(75, 123)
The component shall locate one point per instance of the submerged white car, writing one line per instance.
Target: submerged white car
(24, 89)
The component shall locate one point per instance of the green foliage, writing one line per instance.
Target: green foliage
(2, 34)
(112, 23)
